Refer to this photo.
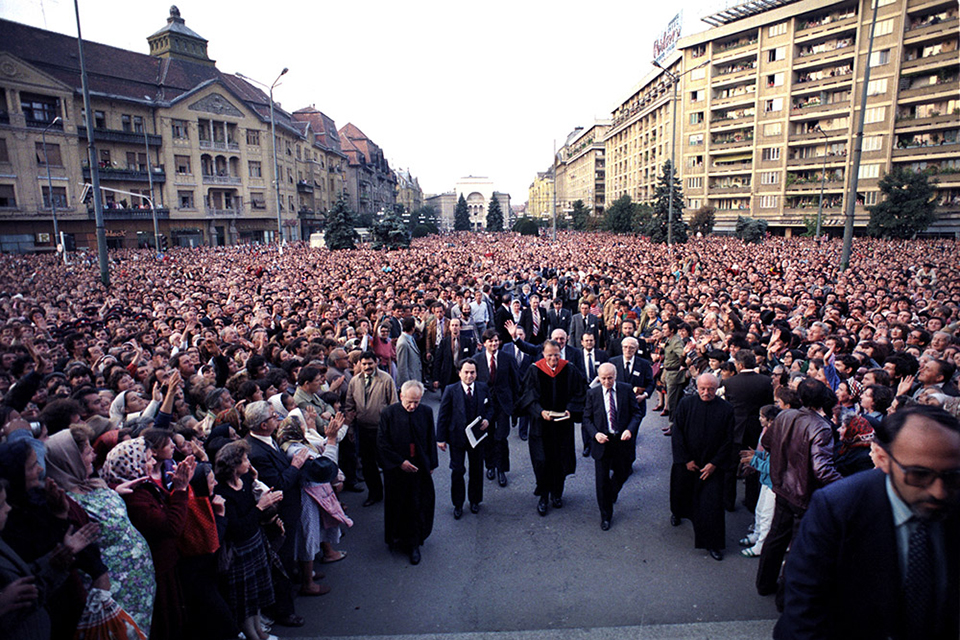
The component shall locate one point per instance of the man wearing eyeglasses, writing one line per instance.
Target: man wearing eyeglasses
(878, 554)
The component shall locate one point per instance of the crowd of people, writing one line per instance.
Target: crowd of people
(177, 443)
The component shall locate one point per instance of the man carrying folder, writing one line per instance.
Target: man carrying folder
(465, 406)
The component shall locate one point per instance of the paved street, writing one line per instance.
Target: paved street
(509, 573)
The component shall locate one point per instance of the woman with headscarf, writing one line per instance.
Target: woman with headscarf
(160, 516)
(129, 405)
(853, 451)
(124, 550)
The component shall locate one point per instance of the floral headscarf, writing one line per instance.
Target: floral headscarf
(126, 461)
(65, 464)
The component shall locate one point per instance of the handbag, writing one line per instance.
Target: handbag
(225, 556)
(104, 619)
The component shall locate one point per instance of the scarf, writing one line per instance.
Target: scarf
(126, 461)
(859, 433)
(65, 465)
(553, 373)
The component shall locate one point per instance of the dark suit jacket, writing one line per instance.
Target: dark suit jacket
(452, 416)
(843, 576)
(274, 470)
(599, 357)
(578, 327)
(526, 321)
(596, 420)
(444, 368)
(500, 317)
(640, 376)
(559, 320)
(394, 439)
(518, 355)
(506, 388)
(747, 392)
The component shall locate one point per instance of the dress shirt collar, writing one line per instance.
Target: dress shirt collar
(266, 440)
(467, 388)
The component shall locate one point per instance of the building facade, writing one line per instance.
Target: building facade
(581, 170)
(540, 196)
(371, 186)
(409, 193)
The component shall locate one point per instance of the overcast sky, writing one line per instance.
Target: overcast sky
(448, 89)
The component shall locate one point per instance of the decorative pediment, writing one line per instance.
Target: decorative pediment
(216, 104)
(15, 71)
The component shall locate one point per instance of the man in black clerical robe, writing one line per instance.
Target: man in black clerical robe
(407, 446)
(702, 437)
(553, 398)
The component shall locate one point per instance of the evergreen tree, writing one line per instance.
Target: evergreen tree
(580, 215)
(340, 233)
(751, 230)
(494, 215)
(526, 227)
(907, 207)
(620, 217)
(461, 216)
(390, 232)
(703, 220)
(661, 209)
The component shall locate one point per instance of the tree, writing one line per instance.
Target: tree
(620, 216)
(340, 233)
(703, 220)
(751, 230)
(494, 215)
(461, 217)
(390, 232)
(580, 215)
(907, 208)
(661, 209)
(526, 227)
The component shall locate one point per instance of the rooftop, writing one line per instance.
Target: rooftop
(745, 10)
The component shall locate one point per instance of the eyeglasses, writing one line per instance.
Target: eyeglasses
(922, 477)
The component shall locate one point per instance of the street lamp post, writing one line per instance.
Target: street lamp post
(823, 178)
(276, 164)
(53, 202)
(153, 208)
(673, 142)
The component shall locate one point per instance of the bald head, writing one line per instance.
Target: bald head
(707, 385)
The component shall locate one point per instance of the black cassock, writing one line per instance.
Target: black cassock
(409, 498)
(702, 432)
(553, 450)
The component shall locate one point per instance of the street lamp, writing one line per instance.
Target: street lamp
(673, 141)
(276, 165)
(823, 177)
(53, 202)
(153, 208)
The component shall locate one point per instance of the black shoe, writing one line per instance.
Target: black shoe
(558, 503)
(474, 507)
(523, 436)
(415, 556)
(605, 525)
(674, 521)
(716, 554)
(369, 502)
(502, 478)
(457, 513)
(586, 452)
(542, 507)
(491, 473)
(355, 488)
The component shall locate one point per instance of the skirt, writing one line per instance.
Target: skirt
(247, 586)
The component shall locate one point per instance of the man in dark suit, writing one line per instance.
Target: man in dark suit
(281, 474)
(878, 553)
(587, 361)
(636, 372)
(501, 316)
(611, 419)
(559, 318)
(460, 405)
(500, 374)
(584, 322)
(523, 359)
(454, 348)
(747, 392)
(534, 321)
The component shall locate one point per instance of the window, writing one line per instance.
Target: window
(775, 55)
(878, 58)
(871, 198)
(770, 177)
(255, 170)
(99, 120)
(186, 199)
(183, 165)
(877, 87)
(693, 203)
(769, 202)
(138, 124)
(4, 155)
(876, 114)
(773, 129)
(136, 161)
(695, 183)
(257, 200)
(126, 122)
(771, 153)
(884, 28)
(179, 129)
(59, 197)
(8, 199)
(696, 117)
(698, 74)
(775, 104)
(105, 161)
(696, 139)
(290, 202)
(39, 110)
(775, 80)
(777, 29)
(881, 3)
(253, 137)
(873, 143)
(289, 174)
(53, 155)
(697, 96)
(868, 171)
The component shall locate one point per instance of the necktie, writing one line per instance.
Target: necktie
(493, 369)
(536, 321)
(919, 593)
(591, 370)
(627, 370)
(367, 383)
(612, 417)
(456, 350)
(470, 393)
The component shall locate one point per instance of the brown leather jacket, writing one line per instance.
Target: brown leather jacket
(800, 442)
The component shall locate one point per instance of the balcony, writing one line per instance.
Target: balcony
(834, 135)
(731, 144)
(39, 124)
(123, 137)
(931, 31)
(733, 188)
(809, 85)
(819, 109)
(163, 213)
(719, 80)
(834, 55)
(825, 28)
(814, 185)
(816, 161)
(227, 180)
(944, 90)
(731, 51)
(223, 213)
(747, 97)
(310, 214)
(304, 187)
(926, 63)
(924, 152)
(109, 174)
(219, 146)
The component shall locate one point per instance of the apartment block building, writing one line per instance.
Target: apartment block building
(581, 169)
(540, 195)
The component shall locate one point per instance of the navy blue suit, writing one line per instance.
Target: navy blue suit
(523, 359)
(615, 455)
(452, 419)
(504, 391)
(843, 576)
